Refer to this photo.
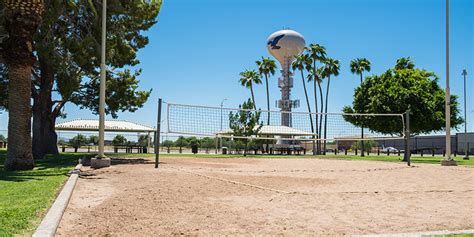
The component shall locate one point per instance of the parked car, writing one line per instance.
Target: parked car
(389, 149)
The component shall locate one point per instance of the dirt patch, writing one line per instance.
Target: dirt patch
(199, 196)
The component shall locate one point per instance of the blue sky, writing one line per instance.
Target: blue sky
(198, 48)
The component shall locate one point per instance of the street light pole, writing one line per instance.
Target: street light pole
(448, 160)
(101, 160)
(466, 152)
(220, 138)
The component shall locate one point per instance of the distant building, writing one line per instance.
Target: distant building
(426, 144)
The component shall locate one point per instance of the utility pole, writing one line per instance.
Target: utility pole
(466, 148)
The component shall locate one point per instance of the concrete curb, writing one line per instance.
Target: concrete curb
(51, 221)
(421, 234)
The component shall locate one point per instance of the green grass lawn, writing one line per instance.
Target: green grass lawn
(392, 158)
(25, 196)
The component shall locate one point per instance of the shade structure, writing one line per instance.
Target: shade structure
(110, 126)
(273, 130)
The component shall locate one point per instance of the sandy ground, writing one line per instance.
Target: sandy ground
(198, 196)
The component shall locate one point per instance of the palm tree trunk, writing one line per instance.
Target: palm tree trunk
(253, 98)
(321, 114)
(21, 24)
(362, 148)
(268, 109)
(268, 100)
(318, 135)
(318, 149)
(309, 111)
(326, 114)
(19, 154)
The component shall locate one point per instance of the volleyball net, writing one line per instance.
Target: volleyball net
(207, 121)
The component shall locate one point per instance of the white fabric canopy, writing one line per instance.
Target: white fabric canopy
(272, 130)
(110, 126)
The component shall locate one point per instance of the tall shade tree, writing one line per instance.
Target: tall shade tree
(299, 64)
(331, 68)
(394, 92)
(248, 78)
(21, 20)
(316, 53)
(267, 67)
(67, 51)
(358, 66)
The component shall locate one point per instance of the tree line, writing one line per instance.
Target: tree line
(119, 140)
(210, 142)
(188, 142)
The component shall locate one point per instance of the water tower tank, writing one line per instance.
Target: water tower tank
(284, 45)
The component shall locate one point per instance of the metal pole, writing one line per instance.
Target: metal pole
(407, 139)
(220, 138)
(466, 152)
(216, 143)
(102, 83)
(157, 135)
(448, 160)
(148, 142)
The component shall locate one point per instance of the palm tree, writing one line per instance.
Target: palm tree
(299, 64)
(248, 78)
(404, 63)
(320, 77)
(266, 67)
(317, 53)
(310, 77)
(358, 66)
(22, 19)
(331, 67)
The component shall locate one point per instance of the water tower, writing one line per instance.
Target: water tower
(284, 45)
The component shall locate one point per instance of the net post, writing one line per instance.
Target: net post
(157, 134)
(216, 142)
(407, 155)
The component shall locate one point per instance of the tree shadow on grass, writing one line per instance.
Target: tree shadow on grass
(51, 165)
